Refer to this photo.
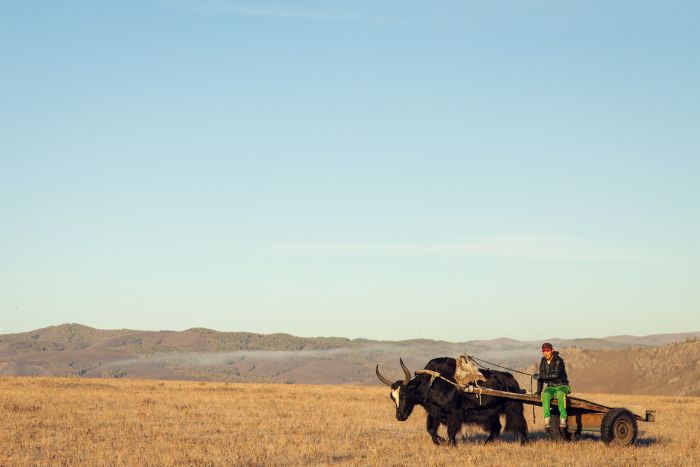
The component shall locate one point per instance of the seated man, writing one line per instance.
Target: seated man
(552, 372)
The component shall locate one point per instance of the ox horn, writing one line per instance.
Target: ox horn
(406, 372)
(381, 378)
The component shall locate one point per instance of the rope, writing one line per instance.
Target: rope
(499, 366)
(533, 407)
(435, 374)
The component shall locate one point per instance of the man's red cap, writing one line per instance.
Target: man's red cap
(547, 346)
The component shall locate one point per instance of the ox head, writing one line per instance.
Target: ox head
(402, 393)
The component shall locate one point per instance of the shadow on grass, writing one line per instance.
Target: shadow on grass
(640, 443)
(480, 438)
(539, 435)
(647, 442)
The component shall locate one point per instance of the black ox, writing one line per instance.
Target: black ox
(445, 404)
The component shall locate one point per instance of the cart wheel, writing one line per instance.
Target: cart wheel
(619, 427)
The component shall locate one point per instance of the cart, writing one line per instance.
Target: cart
(616, 425)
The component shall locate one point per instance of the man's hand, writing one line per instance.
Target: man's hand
(536, 375)
(538, 394)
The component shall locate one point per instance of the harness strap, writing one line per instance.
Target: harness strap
(430, 385)
(435, 375)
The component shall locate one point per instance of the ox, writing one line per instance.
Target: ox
(445, 404)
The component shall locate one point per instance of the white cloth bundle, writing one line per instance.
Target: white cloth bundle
(467, 372)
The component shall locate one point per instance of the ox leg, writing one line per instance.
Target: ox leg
(494, 429)
(432, 424)
(454, 424)
(523, 437)
(515, 420)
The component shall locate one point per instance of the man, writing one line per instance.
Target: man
(552, 372)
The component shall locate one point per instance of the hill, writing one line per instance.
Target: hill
(672, 369)
(669, 369)
(615, 364)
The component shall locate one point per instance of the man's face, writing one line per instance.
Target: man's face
(547, 354)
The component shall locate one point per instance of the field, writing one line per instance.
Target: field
(71, 421)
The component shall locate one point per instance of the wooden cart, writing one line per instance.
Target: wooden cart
(617, 425)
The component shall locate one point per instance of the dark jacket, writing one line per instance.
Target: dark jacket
(553, 374)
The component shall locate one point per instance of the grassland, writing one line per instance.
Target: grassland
(72, 421)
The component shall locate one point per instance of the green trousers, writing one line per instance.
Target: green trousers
(560, 392)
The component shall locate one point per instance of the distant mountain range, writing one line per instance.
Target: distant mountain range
(612, 364)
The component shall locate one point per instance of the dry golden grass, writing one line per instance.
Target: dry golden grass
(70, 421)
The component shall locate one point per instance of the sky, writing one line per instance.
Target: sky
(383, 169)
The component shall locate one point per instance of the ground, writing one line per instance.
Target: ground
(73, 421)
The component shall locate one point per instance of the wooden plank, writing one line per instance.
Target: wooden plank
(573, 402)
(579, 403)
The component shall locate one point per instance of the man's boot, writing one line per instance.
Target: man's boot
(562, 427)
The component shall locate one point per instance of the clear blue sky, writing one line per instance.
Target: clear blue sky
(382, 169)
